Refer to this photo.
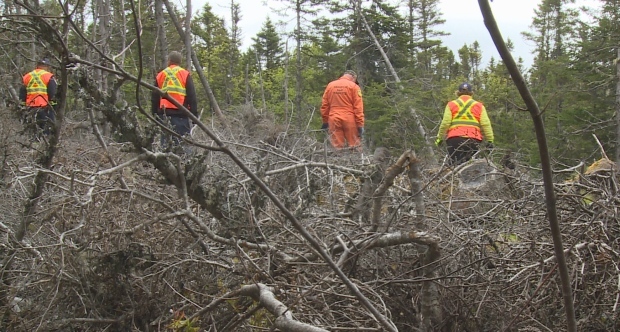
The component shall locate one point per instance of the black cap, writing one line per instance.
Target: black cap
(465, 87)
(45, 62)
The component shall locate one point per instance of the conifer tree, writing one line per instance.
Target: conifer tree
(213, 46)
(551, 76)
(424, 20)
(599, 69)
(268, 46)
(234, 53)
(303, 10)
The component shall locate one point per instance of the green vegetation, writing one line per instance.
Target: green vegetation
(572, 76)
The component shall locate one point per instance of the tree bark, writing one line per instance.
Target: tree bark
(372, 179)
(162, 42)
(188, 35)
(287, 62)
(298, 71)
(123, 33)
(233, 51)
(284, 318)
(429, 299)
(388, 180)
(262, 85)
(416, 181)
(617, 158)
(103, 12)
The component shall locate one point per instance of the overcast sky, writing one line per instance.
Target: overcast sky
(463, 21)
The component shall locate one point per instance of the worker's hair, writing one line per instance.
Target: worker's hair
(350, 72)
(460, 93)
(175, 58)
(44, 62)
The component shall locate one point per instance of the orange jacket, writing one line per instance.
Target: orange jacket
(36, 83)
(343, 96)
(465, 117)
(173, 80)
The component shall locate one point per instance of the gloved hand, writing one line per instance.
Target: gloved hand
(360, 131)
(325, 126)
(53, 104)
(438, 141)
(489, 146)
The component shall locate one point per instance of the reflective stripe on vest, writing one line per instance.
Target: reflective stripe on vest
(36, 89)
(464, 117)
(171, 82)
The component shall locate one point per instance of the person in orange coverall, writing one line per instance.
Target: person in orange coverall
(342, 111)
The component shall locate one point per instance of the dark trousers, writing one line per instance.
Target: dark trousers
(178, 124)
(461, 149)
(42, 117)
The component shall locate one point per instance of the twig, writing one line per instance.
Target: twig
(549, 259)
(600, 146)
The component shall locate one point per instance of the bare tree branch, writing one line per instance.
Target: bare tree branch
(284, 318)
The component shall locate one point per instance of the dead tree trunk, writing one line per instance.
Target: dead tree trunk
(372, 180)
(415, 180)
(103, 27)
(430, 302)
(388, 180)
(188, 35)
(284, 318)
(617, 157)
(162, 42)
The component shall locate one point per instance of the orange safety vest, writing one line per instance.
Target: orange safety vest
(173, 81)
(36, 83)
(465, 119)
